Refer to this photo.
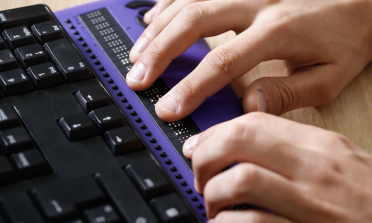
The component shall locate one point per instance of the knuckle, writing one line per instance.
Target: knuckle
(232, 136)
(222, 59)
(186, 89)
(153, 51)
(256, 217)
(256, 118)
(193, 13)
(245, 178)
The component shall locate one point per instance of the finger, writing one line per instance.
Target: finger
(278, 95)
(245, 139)
(248, 216)
(153, 30)
(157, 10)
(195, 21)
(250, 184)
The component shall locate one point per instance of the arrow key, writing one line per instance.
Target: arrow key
(122, 140)
(107, 118)
(93, 98)
(77, 126)
(15, 82)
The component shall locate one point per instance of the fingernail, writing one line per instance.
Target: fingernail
(167, 103)
(210, 221)
(261, 104)
(137, 73)
(141, 44)
(191, 142)
(150, 14)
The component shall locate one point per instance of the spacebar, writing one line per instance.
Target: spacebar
(68, 61)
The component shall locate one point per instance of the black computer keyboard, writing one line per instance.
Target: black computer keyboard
(68, 152)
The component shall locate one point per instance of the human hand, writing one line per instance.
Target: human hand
(325, 44)
(299, 172)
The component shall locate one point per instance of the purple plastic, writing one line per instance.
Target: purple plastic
(222, 106)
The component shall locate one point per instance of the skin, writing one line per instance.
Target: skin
(300, 173)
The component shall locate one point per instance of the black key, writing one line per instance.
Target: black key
(18, 208)
(30, 163)
(2, 44)
(137, 4)
(15, 82)
(141, 21)
(77, 126)
(171, 209)
(107, 118)
(44, 75)
(122, 140)
(7, 61)
(47, 31)
(102, 214)
(31, 55)
(8, 118)
(93, 98)
(16, 140)
(23, 16)
(68, 61)
(113, 183)
(18, 36)
(149, 178)
(7, 173)
(143, 12)
(62, 201)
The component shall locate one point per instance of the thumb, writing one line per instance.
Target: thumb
(278, 95)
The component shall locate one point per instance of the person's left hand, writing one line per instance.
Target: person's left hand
(301, 173)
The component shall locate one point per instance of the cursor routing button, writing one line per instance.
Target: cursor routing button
(77, 126)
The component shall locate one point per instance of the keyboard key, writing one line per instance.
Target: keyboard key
(16, 140)
(62, 201)
(77, 126)
(7, 173)
(15, 82)
(137, 4)
(122, 140)
(8, 118)
(31, 55)
(107, 118)
(69, 63)
(141, 22)
(23, 16)
(102, 214)
(30, 163)
(18, 36)
(171, 209)
(7, 61)
(47, 31)
(2, 44)
(93, 98)
(148, 178)
(118, 186)
(44, 75)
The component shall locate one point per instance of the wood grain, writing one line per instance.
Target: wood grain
(349, 114)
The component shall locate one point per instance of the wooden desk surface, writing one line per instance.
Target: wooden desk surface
(349, 114)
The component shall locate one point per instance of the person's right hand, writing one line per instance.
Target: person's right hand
(325, 44)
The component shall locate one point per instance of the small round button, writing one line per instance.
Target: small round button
(111, 81)
(93, 56)
(168, 161)
(158, 147)
(76, 33)
(138, 120)
(133, 113)
(115, 87)
(143, 126)
(148, 133)
(120, 94)
(84, 44)
(80, 38)
(72, 27)
(124, 100)
(173, 169)
(97, 62)
(68, 21)
(153, 140)
(102, 69)
(129, 106)
(178, 176)
(189, 191)
(88, 50)
(106, 74)
(194, 198)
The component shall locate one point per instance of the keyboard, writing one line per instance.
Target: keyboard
(77, 145)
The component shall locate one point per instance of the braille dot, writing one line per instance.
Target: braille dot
(80, 38)
(143, 126)
(93, 56)
(115, 87)
(138, 120)
(178, 176)
(84, 44)
(200, 206)
(189, 191)
(88, 50)
(106, 74)
(124, 100)
(158, 147)
(133, 113)
(111, 81)
(120, 94)
(194, 198)
(153, 140)
(102, 68)
(97, 62)
(129, 106)
(163, 154)
(148, 133)
(184, 183)
(72, 27)
(68, 21)
(173, 169)
(76, 33)
(168, 161)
